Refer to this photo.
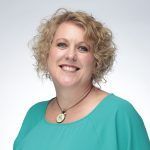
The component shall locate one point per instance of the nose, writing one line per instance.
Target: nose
(71, 54)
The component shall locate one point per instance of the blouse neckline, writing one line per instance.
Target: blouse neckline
(107, 97)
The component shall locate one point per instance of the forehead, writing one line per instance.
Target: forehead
(72, 30)
(69, 29)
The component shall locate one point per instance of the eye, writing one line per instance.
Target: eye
(83, 49)
(62, 45)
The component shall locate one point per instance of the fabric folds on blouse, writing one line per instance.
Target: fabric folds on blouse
(113, 124)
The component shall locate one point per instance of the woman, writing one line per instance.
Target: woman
(75, 51)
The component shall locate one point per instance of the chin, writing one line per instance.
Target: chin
(68, 82)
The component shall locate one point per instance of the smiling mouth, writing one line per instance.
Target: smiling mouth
(69, 68)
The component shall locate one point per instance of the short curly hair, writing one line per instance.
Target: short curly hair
(101, 37)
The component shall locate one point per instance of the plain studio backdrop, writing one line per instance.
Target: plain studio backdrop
(20, 86)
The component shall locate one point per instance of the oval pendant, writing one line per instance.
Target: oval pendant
(60, 118)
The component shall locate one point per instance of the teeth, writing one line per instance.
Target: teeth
(67, 68)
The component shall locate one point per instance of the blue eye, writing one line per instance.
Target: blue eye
(62, 45)
(83, 49)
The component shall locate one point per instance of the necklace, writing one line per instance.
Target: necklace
(61, 117)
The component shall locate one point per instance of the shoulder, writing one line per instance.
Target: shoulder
(121, 105)
(38, 108)
(119, 117)
(31, 119)
(126, 118)
(129, 125)
(34, 114)
(119, 101)
(123, 108)
(115, 109)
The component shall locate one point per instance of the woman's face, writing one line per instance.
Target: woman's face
(71, 59)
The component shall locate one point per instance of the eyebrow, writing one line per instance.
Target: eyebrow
(61, 39)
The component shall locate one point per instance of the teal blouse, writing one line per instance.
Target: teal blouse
(113, 125)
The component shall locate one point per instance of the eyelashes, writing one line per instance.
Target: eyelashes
(81, 48)
(62, 45)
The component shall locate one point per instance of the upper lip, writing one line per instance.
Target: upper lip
(69, 66)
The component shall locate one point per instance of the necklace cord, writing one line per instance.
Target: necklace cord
(63, 111)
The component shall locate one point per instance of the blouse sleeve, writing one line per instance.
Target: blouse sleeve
(131, 132)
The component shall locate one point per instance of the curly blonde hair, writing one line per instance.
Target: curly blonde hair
(100, 36)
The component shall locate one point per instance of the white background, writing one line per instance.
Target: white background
(20, 87)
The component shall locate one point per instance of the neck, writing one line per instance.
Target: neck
(70, 96)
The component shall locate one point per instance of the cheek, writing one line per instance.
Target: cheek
(55, 55)
(51, 54)
(89, 61)
(50, 60)
(89, 64)
(52, 57)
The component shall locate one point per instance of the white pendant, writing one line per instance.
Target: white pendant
(60, 118)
